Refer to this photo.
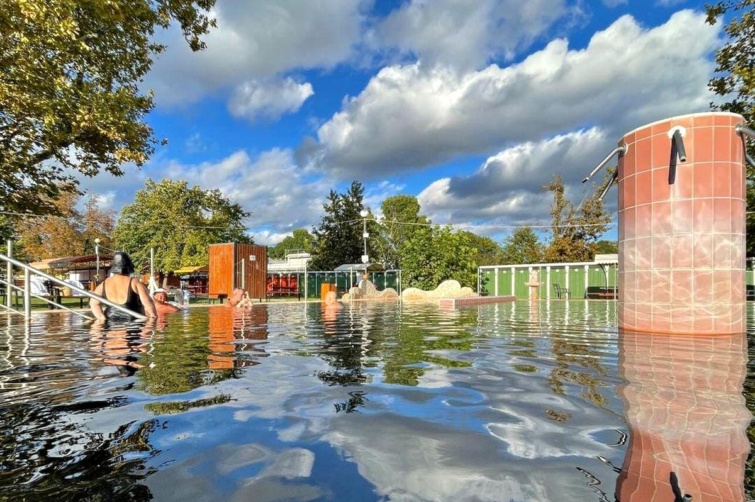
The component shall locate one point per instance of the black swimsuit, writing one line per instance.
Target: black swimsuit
(133, 303)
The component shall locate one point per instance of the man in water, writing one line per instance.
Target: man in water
(160, 296)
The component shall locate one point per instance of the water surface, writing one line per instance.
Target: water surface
(375, 401)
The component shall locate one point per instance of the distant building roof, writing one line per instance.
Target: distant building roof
(192, 269)
(606, 258)
(369, 267)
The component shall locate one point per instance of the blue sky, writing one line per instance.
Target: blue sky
(469, 105)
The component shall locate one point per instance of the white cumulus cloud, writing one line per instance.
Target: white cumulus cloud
(409, 117)
(268, 99)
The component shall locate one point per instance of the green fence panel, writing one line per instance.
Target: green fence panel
(598, 276)
(504, 282)
(521, 278)
(557, 276)
(577, 281)
(487, 282)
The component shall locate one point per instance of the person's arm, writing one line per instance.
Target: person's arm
(149, 305)
(96, 306)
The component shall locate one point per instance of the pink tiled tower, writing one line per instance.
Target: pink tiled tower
(682, 227)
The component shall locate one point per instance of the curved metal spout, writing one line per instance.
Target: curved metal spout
(610, 184)
(681, 152)
(619, 149)
(742, 130)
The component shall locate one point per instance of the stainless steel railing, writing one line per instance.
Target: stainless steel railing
(14, 291)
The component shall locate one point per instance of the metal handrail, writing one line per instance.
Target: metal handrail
(27, 293)
(13, 287)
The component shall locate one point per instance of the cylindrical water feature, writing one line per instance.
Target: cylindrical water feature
(682, 209)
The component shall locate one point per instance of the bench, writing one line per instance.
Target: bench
(284, 291)
(600, 293)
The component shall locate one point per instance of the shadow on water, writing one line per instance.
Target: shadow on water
(524, 401)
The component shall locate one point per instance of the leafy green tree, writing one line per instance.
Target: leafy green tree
(301, 241)
(401, 219)
(70, 99)
(52, 236)
(487, 251)
(96, 223)
(521, 247)
(606, 247)
(179, 222)
(735, 80)
(575, 231)
(435, 254)
(339, 239)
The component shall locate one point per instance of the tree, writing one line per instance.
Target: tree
(71, 234)
(606, 247)
(339, 239)
(301, 240)
(53, 236)
(401, 219)
(70, 100)
(735, 80)
(521, 247)
(179, 223)
(436, 254)
(97, 223)
(736, 59)
(487, 251)
(575, 231)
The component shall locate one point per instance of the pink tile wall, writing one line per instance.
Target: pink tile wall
(686, 414)
(681, 260)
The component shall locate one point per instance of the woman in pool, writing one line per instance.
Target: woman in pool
(124, 290)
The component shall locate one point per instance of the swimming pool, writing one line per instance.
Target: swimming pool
(376, 401)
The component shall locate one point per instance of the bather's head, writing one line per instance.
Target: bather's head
(122, 264)
(236, 296)
(330, 298)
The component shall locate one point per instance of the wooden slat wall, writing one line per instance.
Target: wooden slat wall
(221, 276)
(225, 269)
(255, 272)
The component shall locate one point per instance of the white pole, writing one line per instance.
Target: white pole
(9, 275)
(97, 254)
(305, 280)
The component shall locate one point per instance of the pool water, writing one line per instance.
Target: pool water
(375, 401)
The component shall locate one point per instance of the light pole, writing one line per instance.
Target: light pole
(97, 254)
(363, 213)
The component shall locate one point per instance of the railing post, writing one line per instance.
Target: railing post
(27, 293)
(9, 276)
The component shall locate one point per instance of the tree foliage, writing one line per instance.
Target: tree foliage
(70, 72)
(400, 221)
(339, 240)
(71, 234)
(487, 251)
(575, 231)
(179, 222)
(735, 80)
(522, 246)
(435, 254)
(300, 241)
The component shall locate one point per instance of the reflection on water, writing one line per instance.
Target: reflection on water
(524, 401)
(687, 417)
